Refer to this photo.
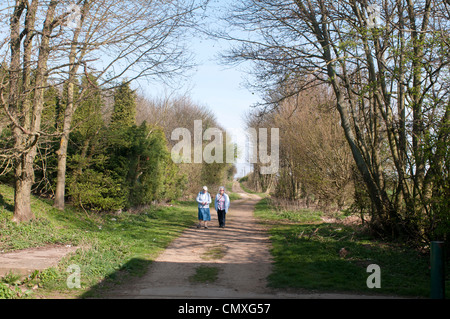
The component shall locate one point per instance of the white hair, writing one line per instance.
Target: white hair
(221, 187)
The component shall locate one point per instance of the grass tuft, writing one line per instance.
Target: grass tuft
(205, 274)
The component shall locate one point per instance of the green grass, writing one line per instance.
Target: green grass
(232, 195)
(205, 274)
(248, 190)
(215, 252)
(112, 247)
(306, 255)
(269, 213)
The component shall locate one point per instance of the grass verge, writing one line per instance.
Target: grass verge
(308, 255)
(231, 194)
(248, 190)
(111, 247)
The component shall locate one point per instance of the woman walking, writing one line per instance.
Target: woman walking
(221, 204)
(203, 200)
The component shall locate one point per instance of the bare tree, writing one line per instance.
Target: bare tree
(180, 112)
(389, 75)
(139, 38)
(317, 160)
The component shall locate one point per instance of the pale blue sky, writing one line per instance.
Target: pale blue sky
(213, 84)
(220, 88)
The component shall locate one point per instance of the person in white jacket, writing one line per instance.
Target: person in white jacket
(203, 200)
(221, 204)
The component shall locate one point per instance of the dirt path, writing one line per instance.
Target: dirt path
(243, 268)
(23, 262)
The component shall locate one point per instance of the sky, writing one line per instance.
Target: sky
(220, 88)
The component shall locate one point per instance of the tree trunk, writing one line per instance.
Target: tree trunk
(24, 175)
(59, 202)
(27, 134)
(62, 151)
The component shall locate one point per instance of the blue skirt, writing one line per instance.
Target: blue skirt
(204, 214)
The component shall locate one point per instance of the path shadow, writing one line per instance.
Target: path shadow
(156, 284)
(121, 285)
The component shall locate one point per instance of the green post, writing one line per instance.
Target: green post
(437, 270)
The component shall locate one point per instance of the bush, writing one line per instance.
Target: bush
(97, 191)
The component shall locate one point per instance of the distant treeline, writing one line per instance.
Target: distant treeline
(118, 154)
